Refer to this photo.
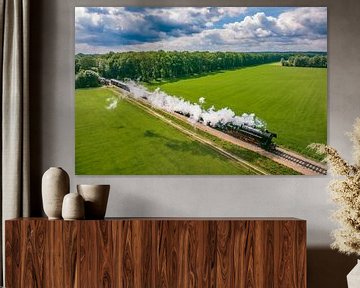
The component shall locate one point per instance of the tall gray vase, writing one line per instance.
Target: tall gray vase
(55, 185)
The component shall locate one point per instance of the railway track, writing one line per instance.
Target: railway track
(299, 161)
(279, 155)
(142, 105)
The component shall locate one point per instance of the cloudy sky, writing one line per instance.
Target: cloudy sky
(100, 29)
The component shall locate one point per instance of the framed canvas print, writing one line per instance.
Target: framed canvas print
(200, 90)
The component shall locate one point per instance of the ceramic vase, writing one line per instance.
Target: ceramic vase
(55, 185)
(353, 278)
(96, 198)
(73, 207)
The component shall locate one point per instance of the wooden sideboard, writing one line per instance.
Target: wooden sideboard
(156, 252)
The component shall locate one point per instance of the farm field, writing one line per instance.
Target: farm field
(127, 140)
(292, 100)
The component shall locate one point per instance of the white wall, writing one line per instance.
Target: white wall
(300, 196)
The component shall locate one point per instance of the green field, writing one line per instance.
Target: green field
(127, 141)
(292, 100)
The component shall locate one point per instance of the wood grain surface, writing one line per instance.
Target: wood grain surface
(157, 253)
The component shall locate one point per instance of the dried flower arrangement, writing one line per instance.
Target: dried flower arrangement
(345, 191)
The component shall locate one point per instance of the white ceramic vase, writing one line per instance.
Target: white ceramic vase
(73, 207)
(96, 198)
(353, 278)
(55, 185)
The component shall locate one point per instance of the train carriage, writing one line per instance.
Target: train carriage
(120, 84)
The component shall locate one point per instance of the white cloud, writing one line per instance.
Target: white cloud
(83, 18)
(303, 21)
(191, 15)
(113, 19)
(298, 29)
(307, 21)
(253, 26)
(232, 11)
(121, 19)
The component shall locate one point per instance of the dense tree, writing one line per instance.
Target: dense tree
(77, 65)
(305, 61)
(163, 65)
(87, 62)
(86, 79)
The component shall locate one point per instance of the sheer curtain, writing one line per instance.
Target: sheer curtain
(14, 27)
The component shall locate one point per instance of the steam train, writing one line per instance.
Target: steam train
(251, 134)
(104, 81)
(119, 84)
(262, 138)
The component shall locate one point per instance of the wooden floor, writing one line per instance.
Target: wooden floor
(156, 253)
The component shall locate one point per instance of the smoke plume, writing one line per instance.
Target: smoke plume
(194, 111)
(113, 102)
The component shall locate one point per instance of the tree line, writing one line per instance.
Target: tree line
(305, 61)
(161, 65)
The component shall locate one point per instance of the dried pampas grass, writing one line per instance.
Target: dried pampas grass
(345, 192)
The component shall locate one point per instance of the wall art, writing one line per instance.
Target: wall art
(200, 90)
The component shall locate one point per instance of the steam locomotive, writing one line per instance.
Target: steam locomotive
(262, 138)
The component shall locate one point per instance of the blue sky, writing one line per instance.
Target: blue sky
(104, 29)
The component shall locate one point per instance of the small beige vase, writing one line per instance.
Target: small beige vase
(55, 185)
(96, 198)
(73, 207)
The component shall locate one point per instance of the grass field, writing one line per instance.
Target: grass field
(127, 140)
(292, 100)
(256, 159)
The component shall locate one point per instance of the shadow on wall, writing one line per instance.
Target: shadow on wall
(328, 268)
(36, 49)
(139, 207)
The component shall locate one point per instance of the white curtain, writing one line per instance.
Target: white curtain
(14, 39)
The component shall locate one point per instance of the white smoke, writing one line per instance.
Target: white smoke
(194, 111)
(113, 102)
